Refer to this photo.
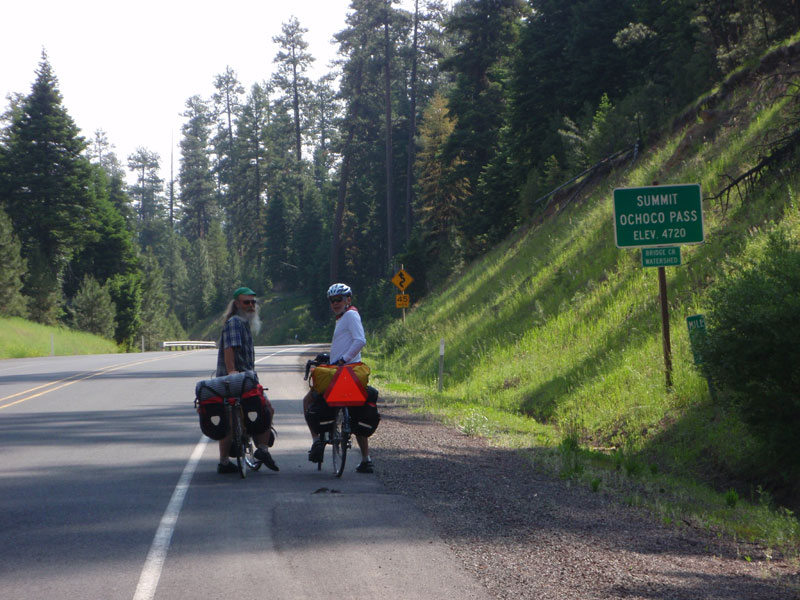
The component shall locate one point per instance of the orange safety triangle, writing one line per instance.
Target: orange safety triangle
(345, 389)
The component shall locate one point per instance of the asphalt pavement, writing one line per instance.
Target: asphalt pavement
(109, 490)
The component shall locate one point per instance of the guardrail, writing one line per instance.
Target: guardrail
(183, 345)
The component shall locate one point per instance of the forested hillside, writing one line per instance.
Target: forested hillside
(554, 339)
(437, 134)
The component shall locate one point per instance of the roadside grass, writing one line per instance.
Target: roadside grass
(554, 341)
(24, 339)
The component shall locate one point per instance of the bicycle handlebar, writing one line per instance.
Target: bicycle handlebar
(319, 359)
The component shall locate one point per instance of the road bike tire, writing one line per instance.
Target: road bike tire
(338, 443)
(239, 442)
(252, 462)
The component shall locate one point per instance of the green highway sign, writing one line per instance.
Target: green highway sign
(697, 335)
(661, 257)
(658, 215)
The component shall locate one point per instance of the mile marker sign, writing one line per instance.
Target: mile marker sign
(658, 215)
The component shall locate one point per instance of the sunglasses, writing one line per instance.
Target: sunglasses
(336, 299)
(248, 302)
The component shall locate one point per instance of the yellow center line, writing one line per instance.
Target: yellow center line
(75, 379)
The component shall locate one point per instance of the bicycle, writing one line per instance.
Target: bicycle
(225, 394)
(241, 443)
(334, 432)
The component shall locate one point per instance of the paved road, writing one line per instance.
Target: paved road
(108, 490)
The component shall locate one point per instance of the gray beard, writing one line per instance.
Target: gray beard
(254, 321)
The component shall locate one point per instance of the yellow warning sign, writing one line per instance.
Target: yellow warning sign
(402, 300)
(402, 280)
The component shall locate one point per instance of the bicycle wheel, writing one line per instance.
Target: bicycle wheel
(339, 443)
(239, 441)
(252, 462)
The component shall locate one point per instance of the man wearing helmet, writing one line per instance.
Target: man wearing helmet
(348, 340)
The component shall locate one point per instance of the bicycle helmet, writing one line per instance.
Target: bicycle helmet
(339, 289)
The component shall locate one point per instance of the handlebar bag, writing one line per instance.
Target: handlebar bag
(213, 417)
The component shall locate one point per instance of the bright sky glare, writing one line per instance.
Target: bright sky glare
(129, 67)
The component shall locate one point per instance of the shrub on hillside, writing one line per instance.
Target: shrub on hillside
(753, 349)
(92, 309)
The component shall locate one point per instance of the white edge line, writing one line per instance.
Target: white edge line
(151, 572)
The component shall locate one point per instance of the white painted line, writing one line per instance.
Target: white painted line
(271, 355)
(151, 572)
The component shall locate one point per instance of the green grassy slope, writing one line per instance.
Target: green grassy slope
(22, 339)
(556, 335)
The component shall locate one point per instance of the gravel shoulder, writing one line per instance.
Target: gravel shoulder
(524, 534)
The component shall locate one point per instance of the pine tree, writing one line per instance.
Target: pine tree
(93, 309)
(126, 292)
(293, 63)
(46, 189)
(201, 279)
(245, 221)
(440, 195)
(485, 34)
(12, 302)
(197, 204)
(176, 277)
(227, 106)
(157, 315)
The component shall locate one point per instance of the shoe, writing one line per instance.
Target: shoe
(317, 451)
(227, 467)
(365, 467)
(265, 457)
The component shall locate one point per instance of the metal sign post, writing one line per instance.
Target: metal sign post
(656, 219)
(402, 280)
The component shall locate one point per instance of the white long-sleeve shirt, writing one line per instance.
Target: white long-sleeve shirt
(348, 337)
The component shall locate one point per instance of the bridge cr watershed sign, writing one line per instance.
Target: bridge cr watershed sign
(658, 215)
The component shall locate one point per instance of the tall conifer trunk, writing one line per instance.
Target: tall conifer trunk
(412, 123)
(336, 234)
(388, 107)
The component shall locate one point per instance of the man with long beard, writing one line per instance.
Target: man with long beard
(236, 354)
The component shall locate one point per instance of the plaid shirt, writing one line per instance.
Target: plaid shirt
(236, 335)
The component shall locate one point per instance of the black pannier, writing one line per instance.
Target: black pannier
(364, 419)
(319, 416)
(210, 397)
(213, 417)
(254, 407)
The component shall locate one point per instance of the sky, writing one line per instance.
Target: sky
(129, 67)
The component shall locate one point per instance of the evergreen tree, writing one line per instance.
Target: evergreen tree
(484, 34)
(152, 210)
(246, 210)
(360, 239)
(440, 196)
(158, 319)
(93, 309)
(12, 302)
(110, 248)
(201, 279)
(227, 106)
(101, 153)
(126, 292)
(197, 203)
(146, 165)
(176, 277)
(326, 111)
(46, 189)
(291, 80)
